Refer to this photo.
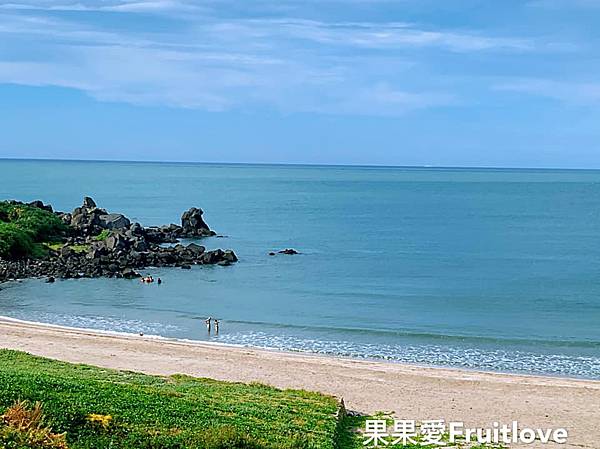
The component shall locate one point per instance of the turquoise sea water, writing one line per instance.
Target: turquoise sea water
(475, 268)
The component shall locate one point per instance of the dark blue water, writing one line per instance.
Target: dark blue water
(485, 269)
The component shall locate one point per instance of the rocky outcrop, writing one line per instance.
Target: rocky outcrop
(193, 225)
(91, 220)
(41, 205)
(289, 251)
(126, 248)
(113, 221)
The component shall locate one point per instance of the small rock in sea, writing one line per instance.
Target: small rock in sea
(290, 251)
(271, 253)
(186, 267)
(50, 280)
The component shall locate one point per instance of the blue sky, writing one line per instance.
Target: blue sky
(404, 82)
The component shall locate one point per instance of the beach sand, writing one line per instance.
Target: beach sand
(412, 392)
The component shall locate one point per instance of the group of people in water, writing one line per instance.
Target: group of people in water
(149, 280)
(209, 321)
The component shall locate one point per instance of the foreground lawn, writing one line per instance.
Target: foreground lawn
(101, 408)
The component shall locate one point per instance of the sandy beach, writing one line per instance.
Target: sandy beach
(411, 392)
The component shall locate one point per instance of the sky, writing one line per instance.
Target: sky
(370, 82)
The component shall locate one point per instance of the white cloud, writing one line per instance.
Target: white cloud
(577, 93)
(561, 4)
(199, 61)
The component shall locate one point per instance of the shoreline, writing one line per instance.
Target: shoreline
(412, 392)
(290, 352)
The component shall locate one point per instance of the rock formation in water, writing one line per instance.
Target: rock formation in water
(99, 243)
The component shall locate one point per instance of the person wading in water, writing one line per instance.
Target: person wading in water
(207, 321)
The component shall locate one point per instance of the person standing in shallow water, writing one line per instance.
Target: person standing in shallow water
(216, 327)
(207, 321)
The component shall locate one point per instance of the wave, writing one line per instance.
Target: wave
(440, 355)
(501, 360)
(430, 336)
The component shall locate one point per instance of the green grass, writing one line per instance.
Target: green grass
(165, 412)
(102, 408)
(22, 227)
(56, 246)
(103, 235)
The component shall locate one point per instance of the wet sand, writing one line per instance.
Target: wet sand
(411, 392)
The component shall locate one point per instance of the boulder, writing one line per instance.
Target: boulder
(66, 251)
(136, 229)
(40, 205)
(129, 273)
(289, 251)
(229, 256)
(89, 203)
(196, 249)
(115, 242)
(113, 221)
(193, 225)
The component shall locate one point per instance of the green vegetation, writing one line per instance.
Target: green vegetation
(56, 246)
(100, 408)
(24, 227)
(54, 405)
(22, 426)
(103, 235)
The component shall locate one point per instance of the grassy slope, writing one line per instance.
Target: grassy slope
(165, 412)
(174, 412)
(23, 228)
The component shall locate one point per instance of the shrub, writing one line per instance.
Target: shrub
(22, 226)
(15, 242)
(22, 427)
(42, 225)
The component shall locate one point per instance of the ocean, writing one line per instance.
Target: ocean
(487, 269)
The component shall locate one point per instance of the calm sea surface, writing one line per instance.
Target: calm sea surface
(484, 269)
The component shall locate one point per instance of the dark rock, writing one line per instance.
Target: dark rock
(129, 273)
(41, 205)
(186, 267)
(113, 221)
(89, 203)
(66, 251)
(140, 245)
(195, 249)
(115, 242)
(230, 256)
(193, 225)
(136, 229)
(290, 251)
(271, 253)
(127, 247)
(50, 279)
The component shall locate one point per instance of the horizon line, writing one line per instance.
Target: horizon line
(303, 164)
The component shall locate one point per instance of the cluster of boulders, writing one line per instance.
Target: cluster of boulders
(90, 220)
(108, 244)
